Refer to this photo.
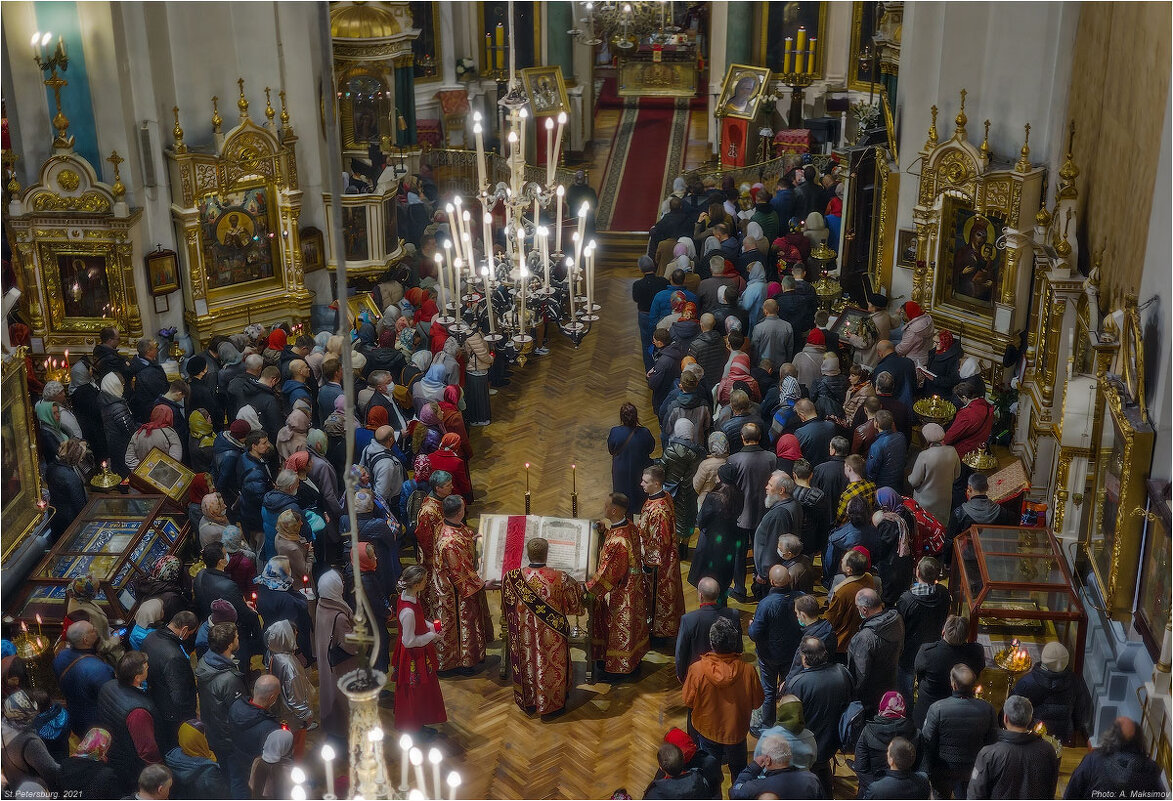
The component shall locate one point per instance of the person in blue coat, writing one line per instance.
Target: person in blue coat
(630, 446)
(776, 633)
(81, 674)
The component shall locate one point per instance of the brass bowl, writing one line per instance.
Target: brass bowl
(934, 410)
(981, 460)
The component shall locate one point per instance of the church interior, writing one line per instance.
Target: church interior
(464, 220)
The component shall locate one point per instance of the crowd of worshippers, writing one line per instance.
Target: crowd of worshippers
(789, 454)
(210, 691)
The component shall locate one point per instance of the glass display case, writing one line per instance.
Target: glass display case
(115, 539)
(1014, 586)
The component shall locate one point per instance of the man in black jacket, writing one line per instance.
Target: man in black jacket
(824, 688)
(923, 607)
(643, 292)
(807, 611)
(776, 633)
(107, 359)
(773, 773)
(977, 510)
(1021, 764)
(677, 781)
(212, 583)
(783, 516)
(204, 394)
(955, 730)
(813, 435)
(150, 381)
(899, 781)
(1118, 765)
(874, 651)
(172, 686)
(672, 225)
(252, 720)
(220, 684)
(710, 352)
(829, 476)
(693, 638)
(901, 368)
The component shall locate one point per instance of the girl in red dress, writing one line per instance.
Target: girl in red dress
(418, 701)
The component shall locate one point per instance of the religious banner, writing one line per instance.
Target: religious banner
(573, 546)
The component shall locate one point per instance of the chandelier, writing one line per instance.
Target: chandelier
(623, 23)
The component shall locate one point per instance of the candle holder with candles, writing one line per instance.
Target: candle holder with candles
(1013, 658)
(107, 480)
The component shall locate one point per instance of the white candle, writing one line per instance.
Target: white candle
(453, 784)
(328, 758)
(521, 245)
(448, 255)
(590, 277)
(557, 144)
(523, 279)
(524, 114)
(544, 249)
(457, 268)
(550, 150)
(489, 294)
(487, 219)
(577, 238)
(440, 276)
(570, 283)
(417, 763)
(482, 172)
(405, 748)
(560, 192)
(435, 757)
(453, 226)
(471, 255)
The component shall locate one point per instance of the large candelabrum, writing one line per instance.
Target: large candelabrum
(534, 281)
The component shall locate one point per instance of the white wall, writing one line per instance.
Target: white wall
(1014, 58)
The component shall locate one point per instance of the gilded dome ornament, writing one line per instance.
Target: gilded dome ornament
(241, 103)
(361, 20)
(284, 112)
(1042, 217)
(985, 148)
(932, 140)
(960, 120)
(1068, 172)
(177, 132)
(13, 185)
(1023, 164)
(270, 112)
(217, 120)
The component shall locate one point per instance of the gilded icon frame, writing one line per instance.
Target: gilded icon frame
(734, 74)
(530, 77)
(159, 279)
(20, 511)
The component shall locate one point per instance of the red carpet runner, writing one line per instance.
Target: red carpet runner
(637, 198)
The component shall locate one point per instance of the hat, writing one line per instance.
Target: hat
(816, 337)
(223, 612)
(932, 432)
(1055, 657)
(196, 365)
(363, 502)
(681, 740)
(239, 428)
(830, 364)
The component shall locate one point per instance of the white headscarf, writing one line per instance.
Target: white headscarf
(330, 587)
(683, 263)
(278, 747)
(112, 384)
(684, 429)
(689, 246)
(754, 231)
(249, 415)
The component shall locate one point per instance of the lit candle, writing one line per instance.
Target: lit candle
(453, 784)
(521, 245)
(448, 255)
(417, 763)
(801, 46)
(405, 747)
(560, 192)
(435, 757)
(558, 144)
(544, 240)
(479, 133)
(328, 758)
(38, 617)
(440, 276)
(788, 55)
(527, 476)
(810, 58)
(549, 150)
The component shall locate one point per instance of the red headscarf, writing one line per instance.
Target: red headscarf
(367, 562)
(300, 460)
(450, 441)
(377, 416)
(277, 339)
(787, 447)
(688, 312)
(681, 740)
(452, 395)
(415, 296)
(677, 300)
(387, 338)
(816, 337)
(198, 489)
(946, 337)
(912, 309)
(161, 417)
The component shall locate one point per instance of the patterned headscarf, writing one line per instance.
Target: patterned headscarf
(276, 575)
(298, 461)
(233, 540)
(450, 441)
(95, 744)
(430, 416)
(167, 568)
(891, 502)
(364, 502)
(718, 444)
(19, 709)
(83, 588)
(892, 705)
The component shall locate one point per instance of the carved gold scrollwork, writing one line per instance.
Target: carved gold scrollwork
(87, 202)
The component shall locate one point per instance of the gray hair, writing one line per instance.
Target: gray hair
(378, 378)
(144, 345)
(788, 543)
(1018, 711)
(885, 382)
(286, 479)
(452, 504)
(786, 482)
(776, 748)
(77, 632)
(253, 363)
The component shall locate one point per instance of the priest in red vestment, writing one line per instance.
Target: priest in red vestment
(459, 593)
(537, 600)
(620, 636)
(657, 530)
(427, 525)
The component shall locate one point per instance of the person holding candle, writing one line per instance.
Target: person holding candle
(459, 594)
(618, 592)
(414, 663)
(537, 600)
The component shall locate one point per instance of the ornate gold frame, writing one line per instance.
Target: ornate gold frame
(346, 105)
(538, 38)
(529, 77)
(763, 76)
(249, 156)
(857, 48)
(438, 47)
(820, 57)
(21, 514)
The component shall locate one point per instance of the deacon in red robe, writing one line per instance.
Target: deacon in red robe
(459, 592)
(428, 523)
(620, 636)
(537, 600)
(657, 530)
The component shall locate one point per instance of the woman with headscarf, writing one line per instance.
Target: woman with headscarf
(377, 417)
(430, 387)
(738, 372)
(373, 586)
(147, 618)
(28, 767)
(158, 432)
(194, 766)
(296, 704)
(428, 430)
(942, 371)
(277, 598)
(213, 518)
(290, 544)
(83, 397)
(319, 479)
(787, 451)
(717, 547)
(49, 431)
(680, 460)
(269, 775)
(789, 393)
(686, 328)
(480, 362)
(829, 390)
(52, 723)
(448, 458)
(249, 415)
(453, 420)
(165, 582)
(201, 439)
(630, 445)
(815, 229)
(755, 245)
(871, 750)
(291, 438)
(893, 554)
(917, 340)
(242, 562)
(86, 775)
(705, 478)
(117, 421)
(79, 597)
(418, 699)
(67, 490)
(859, 389)
(755, 293)
(317, 355)
(676, 303)
(333, 620)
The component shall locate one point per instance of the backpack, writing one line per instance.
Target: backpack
(929, 539)
(851, 724)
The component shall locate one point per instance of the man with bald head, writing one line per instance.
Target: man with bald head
(873, 655)
(252, 719)
(776, 633)
(710, 351)
(1118, 766)
(773, 337)
(81, 674)
(693, 637)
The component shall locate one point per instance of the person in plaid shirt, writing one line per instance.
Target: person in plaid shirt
(857, 486)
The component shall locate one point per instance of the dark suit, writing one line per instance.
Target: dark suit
(903, 372)
(693, 639)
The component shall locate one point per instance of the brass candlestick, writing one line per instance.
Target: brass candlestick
(935, 410)
(106, 480)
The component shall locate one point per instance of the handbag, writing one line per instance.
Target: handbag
(336, 654)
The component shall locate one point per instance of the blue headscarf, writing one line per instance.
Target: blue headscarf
(275, 577)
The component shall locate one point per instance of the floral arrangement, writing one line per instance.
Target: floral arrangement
(466, 69)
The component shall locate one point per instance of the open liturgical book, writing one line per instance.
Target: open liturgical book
(573, 544)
